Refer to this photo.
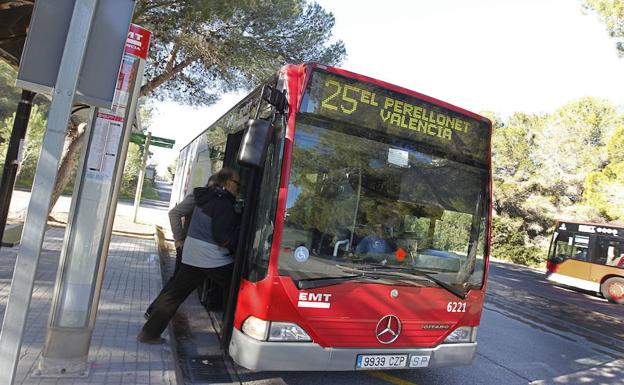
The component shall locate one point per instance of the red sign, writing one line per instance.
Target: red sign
(110, 117)
(138, 41)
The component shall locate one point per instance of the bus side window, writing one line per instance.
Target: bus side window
(581, 255)
(564, 248)
(614, 255)
(580, 248)
(571, 246)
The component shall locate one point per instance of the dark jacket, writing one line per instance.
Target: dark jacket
(219, 223)
(180, 217)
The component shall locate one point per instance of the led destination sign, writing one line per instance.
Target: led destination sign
(381, 109)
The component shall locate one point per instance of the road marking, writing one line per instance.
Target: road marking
(390, 378)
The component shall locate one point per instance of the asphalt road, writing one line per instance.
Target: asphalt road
(164, 191)
(150, 211)
(533, 281)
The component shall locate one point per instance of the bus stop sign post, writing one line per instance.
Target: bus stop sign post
(36, 219)
(81, 266)
(139, 188)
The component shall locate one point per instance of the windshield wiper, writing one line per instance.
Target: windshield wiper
(385, 267)
(407, 272)
(311, 283)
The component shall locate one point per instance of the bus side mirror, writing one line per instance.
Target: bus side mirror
(255, 143)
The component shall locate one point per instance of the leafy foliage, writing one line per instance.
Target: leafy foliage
(564, 165)
(9, 95)
(32, 145)
(509, 242)
(604, 189)
(573, 145)
(611, 12)
(131, 171)
(202, 48)
(514, 165)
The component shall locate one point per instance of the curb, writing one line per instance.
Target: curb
(57, 223)
(163, 252)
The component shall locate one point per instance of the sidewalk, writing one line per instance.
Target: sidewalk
(132, 279)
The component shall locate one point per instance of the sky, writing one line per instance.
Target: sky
(504, 56)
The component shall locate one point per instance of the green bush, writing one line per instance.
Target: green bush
(509, 242)
(131, 171)
(148, 191)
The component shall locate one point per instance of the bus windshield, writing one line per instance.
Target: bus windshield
(356, 201)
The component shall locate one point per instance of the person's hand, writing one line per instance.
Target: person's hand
(179, 244)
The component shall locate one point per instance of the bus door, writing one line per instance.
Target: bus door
(259, 183)
(250, 193)
(571, 255)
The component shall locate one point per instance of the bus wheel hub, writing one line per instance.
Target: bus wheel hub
(616, 290)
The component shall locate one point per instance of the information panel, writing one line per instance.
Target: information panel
(45, 42)
(397, 114)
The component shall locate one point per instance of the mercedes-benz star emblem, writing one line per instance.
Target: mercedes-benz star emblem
(388, 329)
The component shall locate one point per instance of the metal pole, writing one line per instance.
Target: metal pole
(139, 189)
(47, 166)
(81, 270)
(11, 163)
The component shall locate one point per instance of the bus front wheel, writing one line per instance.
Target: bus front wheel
(613, 290)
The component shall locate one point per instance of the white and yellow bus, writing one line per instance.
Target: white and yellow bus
(590, 257)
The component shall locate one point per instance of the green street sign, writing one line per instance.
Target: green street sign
(139, 139)
(162, 142)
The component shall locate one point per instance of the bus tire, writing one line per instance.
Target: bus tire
(613, 290)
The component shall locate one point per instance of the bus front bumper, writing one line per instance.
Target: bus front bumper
(286, 356)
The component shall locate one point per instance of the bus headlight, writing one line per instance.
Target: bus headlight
(256, 328)
(461, 335)
(286, 331)
(262, 330)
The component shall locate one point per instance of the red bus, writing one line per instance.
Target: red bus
(366, 223)
(588, 256)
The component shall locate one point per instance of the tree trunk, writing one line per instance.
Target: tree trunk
(169, 72)
(71, 155)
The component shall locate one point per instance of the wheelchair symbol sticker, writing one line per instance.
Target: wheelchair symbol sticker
(301, 254)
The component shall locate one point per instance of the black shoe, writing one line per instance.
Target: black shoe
(146, 339)
(147, 314)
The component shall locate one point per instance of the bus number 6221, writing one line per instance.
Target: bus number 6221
(456, 307)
